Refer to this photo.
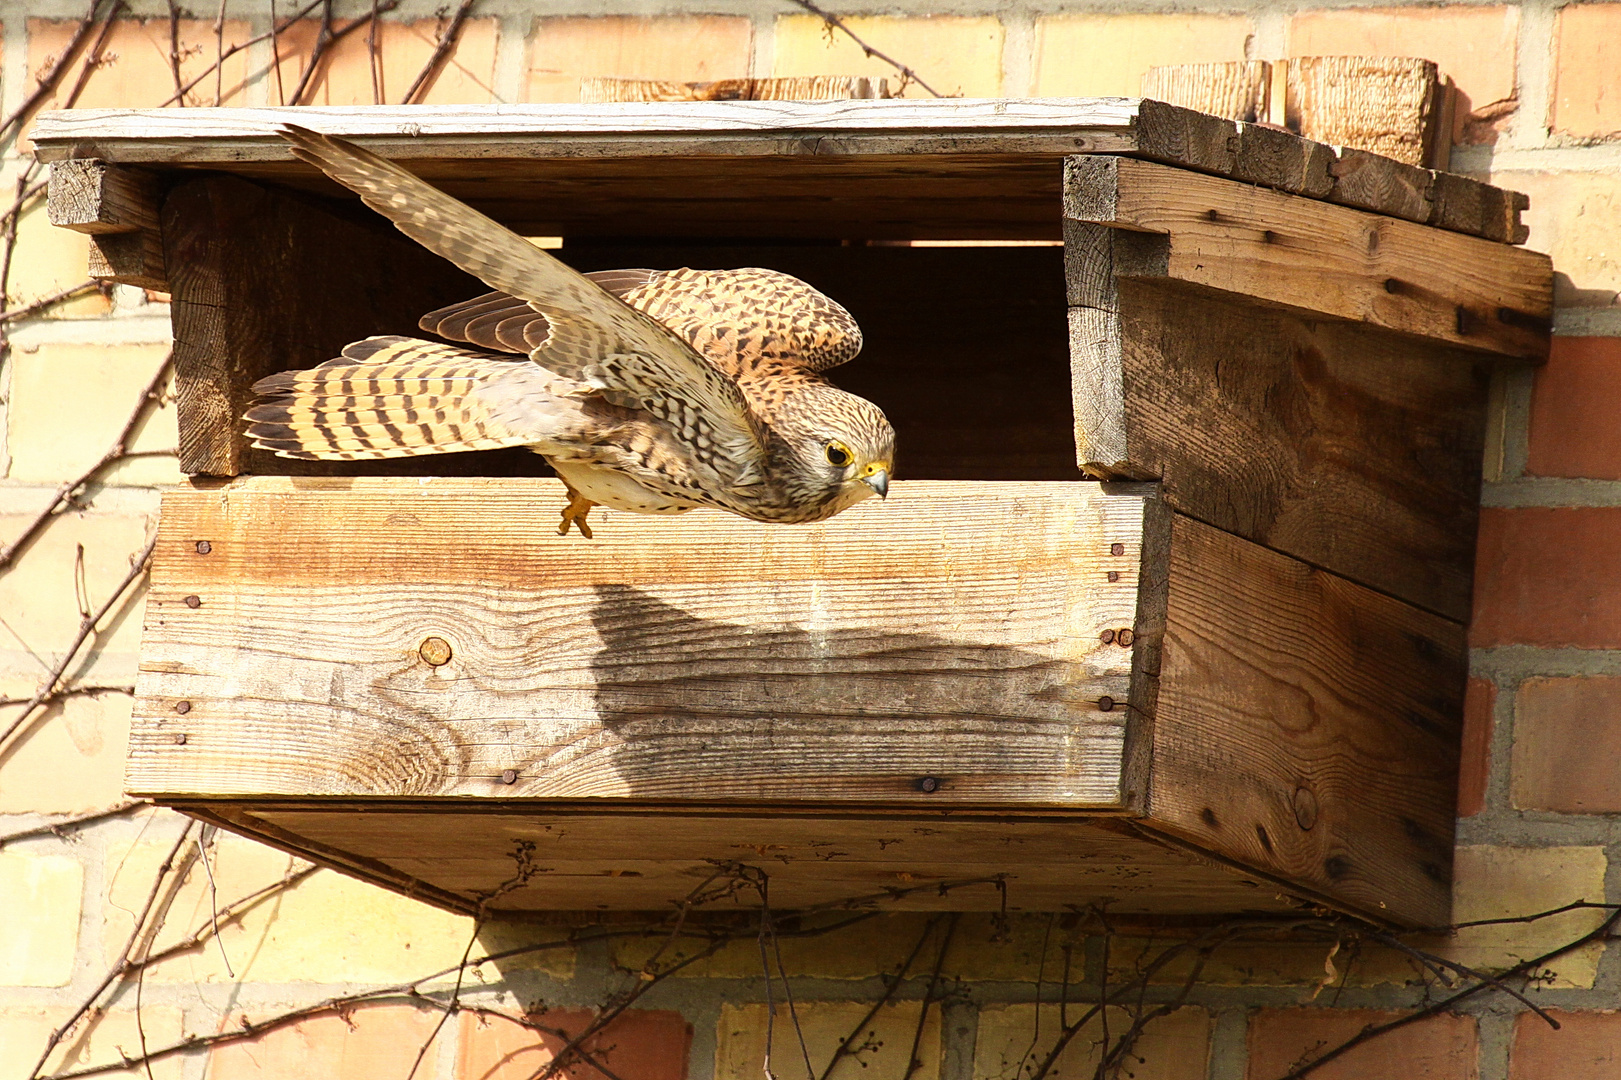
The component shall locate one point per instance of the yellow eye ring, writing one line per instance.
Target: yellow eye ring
(838, 454)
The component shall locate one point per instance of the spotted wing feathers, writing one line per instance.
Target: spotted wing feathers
(593, 338)
(384, 397)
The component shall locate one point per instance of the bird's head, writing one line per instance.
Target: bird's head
(842, 446)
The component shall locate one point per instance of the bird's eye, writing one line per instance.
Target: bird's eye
(839, 454)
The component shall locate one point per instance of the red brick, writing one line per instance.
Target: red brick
(345, 76)
(1475, 761)
(1567, 736)
(366, 1044)
(1548, 576)
(1587, 1046)
(1437, 1048)
(640, 1044)
(1573, 410)
(1587, 51)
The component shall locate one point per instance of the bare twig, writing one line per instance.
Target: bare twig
(329, 37)
(843, 1050)
(174, 45)
(62, 829)
(47, 690)
(67, 491)
(441, 52)
(906, 73)
(219, 59)
(48, 80)
(913, 1061)
(217, 68)
(52, 300)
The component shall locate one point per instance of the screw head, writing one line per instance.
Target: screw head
(194, 601)
(1117, 549)
(204, 547)
(509, 776)
(928, 784)
(435, 651)
(182, 707)
(180, 738)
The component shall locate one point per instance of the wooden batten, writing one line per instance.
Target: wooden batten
(117, 206)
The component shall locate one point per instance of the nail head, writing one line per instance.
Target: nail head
(1117, 549)
(1124, 638)
(1106, 703)
(509, 776)
(182, 707)
(1114, 575)
(204, 547)
(928, 784)
(194, 601)
(180, 739)
(1107, 637)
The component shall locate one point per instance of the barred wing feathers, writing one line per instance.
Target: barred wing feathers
(591, 337)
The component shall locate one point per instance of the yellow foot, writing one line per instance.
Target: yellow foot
(574, 514)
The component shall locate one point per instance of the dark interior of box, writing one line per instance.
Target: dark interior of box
(966, 350)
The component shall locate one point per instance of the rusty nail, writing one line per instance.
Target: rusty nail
(509, 776)
(204, 547)
(1107, 637)
(436, 651)
(182, 707)
(194, 601)
(1114, 575)
(180, 738)
(1124, 637)
(1117, 549)
(1305, 804)
(1106, 703)
(928, 784)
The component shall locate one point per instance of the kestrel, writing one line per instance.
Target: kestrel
(648, 391)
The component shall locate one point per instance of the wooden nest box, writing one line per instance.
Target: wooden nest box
(1226, 678)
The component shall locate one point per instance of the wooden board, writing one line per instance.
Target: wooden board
(642, 862)
(505, 158)
(1326, 260)
(1351, 450)
(952, 633)
(263, 281)
(1308, 727)
(1236, 89)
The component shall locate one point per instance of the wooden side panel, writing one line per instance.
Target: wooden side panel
(263, 281)
(943, 647)
(1326, 260)
(628, 862)
(1308, 727)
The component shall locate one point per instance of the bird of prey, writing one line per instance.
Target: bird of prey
(647, 391)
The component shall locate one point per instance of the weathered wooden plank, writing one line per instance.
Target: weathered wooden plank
(1235, 89)
(263, 281)
(1308, 727)
(1277, 159)
(1382, 185)
(129, 258)
(1466, 205)
(91, 196)
(693, 659)
(1327, 260)
(595, 88)
(1383, 104)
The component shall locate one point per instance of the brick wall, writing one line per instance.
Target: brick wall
(1540, 799)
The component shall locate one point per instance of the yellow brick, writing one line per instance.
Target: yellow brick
(1503, 882)
(47, 260)
(112, 1037)
(1268, 963)
(40, 895)
(695, 48)
(135, 69)
(39, 598)
(1576, 219)
(978, 950)
(1174, 1047)
(958, 55)
(740, 1040)
(1107, 55)
(346, 76)
(84, 738)
(68, 403)
(329, 928)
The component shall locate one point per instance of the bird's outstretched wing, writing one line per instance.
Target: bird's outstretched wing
(738, 319)
(592, 337)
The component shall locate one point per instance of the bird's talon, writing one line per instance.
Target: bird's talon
(574, 514)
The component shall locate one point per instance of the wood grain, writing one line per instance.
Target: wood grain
(952, 632)
(596, 88)
(1383, 104)
(91, 196)
(638, 861)
(263, 281)
(1307, 726)
(1236, 89)
(1327, 260)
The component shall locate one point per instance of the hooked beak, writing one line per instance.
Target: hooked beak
(879, 482)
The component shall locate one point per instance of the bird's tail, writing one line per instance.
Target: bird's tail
(384, 397)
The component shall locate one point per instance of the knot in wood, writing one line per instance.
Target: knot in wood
(1305, 804)
(434, 651)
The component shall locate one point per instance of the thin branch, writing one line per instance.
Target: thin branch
(119, 449)
(329, 37)
(47, 689)
(217, 68)
(907, 74)
(913, 1061)
(49, 80)
(441, 52)
(52, 300)
(61, 829)
(219, 58)
(174, 44)
(843, 1050)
